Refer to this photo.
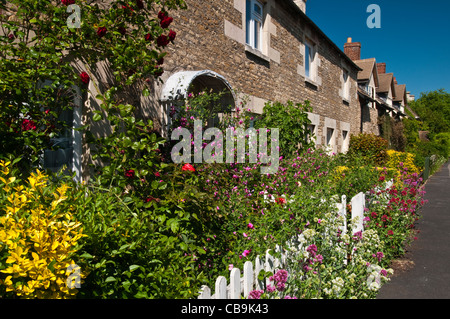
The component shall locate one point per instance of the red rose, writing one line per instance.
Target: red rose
(162, 40)
(166, 22)
(129, 173)
(84, 77)
(157, 174)
(67, 2)
(280, 200)
(101, 31)
(28, 125)
(172, 35)
(188, 167)
(148, 37)
(160, 61)
(161, 15)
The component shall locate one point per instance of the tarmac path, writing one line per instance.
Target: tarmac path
(428, 276)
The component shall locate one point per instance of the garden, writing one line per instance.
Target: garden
(145, 227)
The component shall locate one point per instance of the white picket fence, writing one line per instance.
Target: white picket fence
(242, 286)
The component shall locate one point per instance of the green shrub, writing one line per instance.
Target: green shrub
(369, 146)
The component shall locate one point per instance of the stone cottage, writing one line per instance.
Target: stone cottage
(268, 50)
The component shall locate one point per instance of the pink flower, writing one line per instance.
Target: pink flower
(246, 253)
(28, 125)
(255, 294)
(129, 173)
(230, 267)
(250, 225)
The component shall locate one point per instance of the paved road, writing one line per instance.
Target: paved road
(429, 277)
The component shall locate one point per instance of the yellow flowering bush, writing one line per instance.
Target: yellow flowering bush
(38, 237)
(401, 162)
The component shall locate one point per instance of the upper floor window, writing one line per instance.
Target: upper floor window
(346, 85)
(310, 60)
(254, 24)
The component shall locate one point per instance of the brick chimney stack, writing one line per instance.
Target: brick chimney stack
(352, 49)
(381, 68)
(395, 81)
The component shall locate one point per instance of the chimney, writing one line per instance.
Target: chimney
(352, 49)
(381, 68)
(301, 4)
(395, 81)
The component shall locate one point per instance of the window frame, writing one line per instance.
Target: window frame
(346, 84)
(250, 25)
(310, 60)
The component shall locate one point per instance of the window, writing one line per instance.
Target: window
(346, 85)
(345, 141)
(311, 132)
(310, 60)
(254, 23)
(330, 133)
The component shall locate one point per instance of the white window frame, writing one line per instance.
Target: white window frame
(253, 33)
(346, 84)
(310, 60)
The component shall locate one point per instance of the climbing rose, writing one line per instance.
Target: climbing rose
(188, 167)
(148, 37)
(161, 15)
(162, 40)
(67, 2)
(166, 22)
(84, 77)
(172, 35)
(101, 31)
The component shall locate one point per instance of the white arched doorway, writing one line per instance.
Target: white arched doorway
(178, 86)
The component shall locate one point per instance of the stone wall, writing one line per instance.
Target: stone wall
(211, 36)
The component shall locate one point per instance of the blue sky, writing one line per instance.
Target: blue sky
(413, 41)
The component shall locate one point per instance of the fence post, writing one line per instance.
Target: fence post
(221, 288)
(205, 293)
(248, 278)
(259, 265)
(358, 205)
(235, 284)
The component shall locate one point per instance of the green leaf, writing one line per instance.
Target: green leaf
(134, 267)
(110, 279)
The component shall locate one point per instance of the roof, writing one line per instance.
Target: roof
(368, 67)
(400, 93)
(386, 81)
(296, 9)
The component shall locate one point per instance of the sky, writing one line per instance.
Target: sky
(413, 39)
